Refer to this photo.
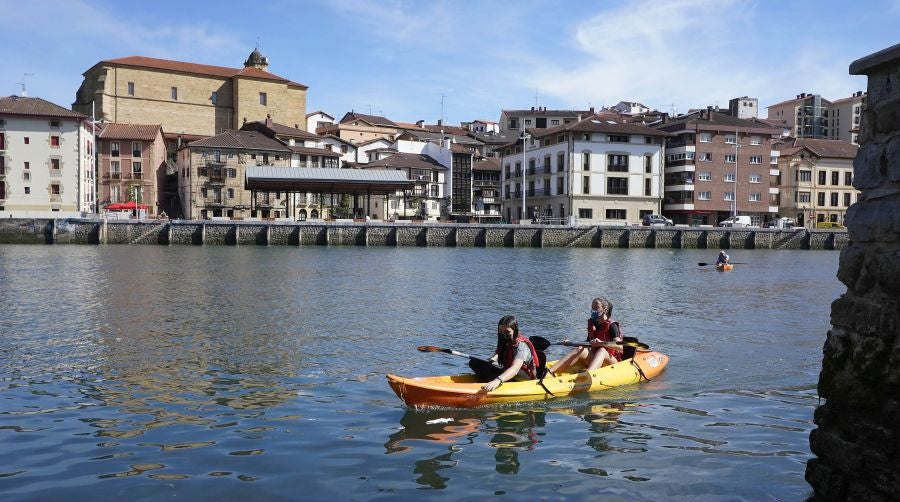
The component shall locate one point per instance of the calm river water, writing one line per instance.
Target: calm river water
(258, 373)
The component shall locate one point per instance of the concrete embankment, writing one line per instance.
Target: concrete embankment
(326, 233)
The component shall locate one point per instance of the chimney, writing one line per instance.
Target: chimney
(268, 120)
(532, 108)
(439, 122)
(591, 109)
(709, 112)
(296, 126)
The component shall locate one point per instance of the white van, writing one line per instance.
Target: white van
(736, 221)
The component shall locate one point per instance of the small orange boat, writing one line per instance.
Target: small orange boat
(724, 267)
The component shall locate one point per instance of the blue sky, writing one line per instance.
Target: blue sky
(401, 58)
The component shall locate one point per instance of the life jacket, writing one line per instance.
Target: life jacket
(600, 331)
(509, 354)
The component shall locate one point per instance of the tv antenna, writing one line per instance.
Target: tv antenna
(22, 83)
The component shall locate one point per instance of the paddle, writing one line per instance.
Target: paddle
(432, 348)
(638, 345)
(703, 264)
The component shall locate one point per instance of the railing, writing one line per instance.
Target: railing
(486, 183)
(215, 201)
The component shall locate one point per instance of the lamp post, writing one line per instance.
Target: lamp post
(525, 137)
(736, 145)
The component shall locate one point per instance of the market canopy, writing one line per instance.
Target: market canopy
(122, 206)
(326, 180)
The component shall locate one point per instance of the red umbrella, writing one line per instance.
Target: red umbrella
(130, 205)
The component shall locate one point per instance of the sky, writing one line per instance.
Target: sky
(467, 60)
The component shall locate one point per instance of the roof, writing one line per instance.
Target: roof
(305, 150)
(861, 97)
(339, 139)
(430, 135)
(373, 140)
(407, 160)
(711, 119)
(487, 164)
(129, 131)
(801, 97)
(374, 120)
(183, 136)
(459, 148)
(535, 111)
(200, 69)
(599, 123)
(833, 148)
(279, 130)
(320, 112)
(25, 105)
(315, 179)
(245, 140)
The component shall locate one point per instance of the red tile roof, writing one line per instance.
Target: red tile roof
(201, 69)
(24, 105)
(129, 131)
(833, 148)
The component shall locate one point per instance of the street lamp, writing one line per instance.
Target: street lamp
(525, 137)
(736, 145)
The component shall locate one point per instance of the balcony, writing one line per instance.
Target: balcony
(486, 183)
(216, 177)
(215, 201)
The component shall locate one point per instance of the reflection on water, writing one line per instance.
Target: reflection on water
(249, 372)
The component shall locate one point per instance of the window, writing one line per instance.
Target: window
(730, 158)
(231, 172)
(804, 175)
(585, 161)
(262, 99)
(513, 123)
(554, 122)
(54, 164)
(174, 94)
(27, 141)
(27, 190)
(586, 185)
(648, 164)
(54, 141)
(586, 136)
(26, 176)
(729, 177)
(131, 88)
(136, 148)
(507, 171)
(115, 169)
(114, 149)
(755, 197)
(617, 163)
(847, 199)
(755, 140)
(835, 178)
(755, 178)
(617, 138)
(704, 176)
(834, 199)
(730, 140)
(560, 162)
(648, 140)
(585, 213)
(820, 200)
(54, 189)
(705, 137)
(214, 97)
(2, 141)
(136, 169)
(527, 122)
(703, 195)
(705, 157)
(803, 197)
(615, 214)
(756, 159)
(54, 123)
(823, 176)
(560, 187)
(729, 196)
(773, 159)
(28, 165)
(617, 186)
(230, 193)
(848, 179)
(647, 188)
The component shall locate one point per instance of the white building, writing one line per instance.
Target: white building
(318, 119)
(46, 160)
(744, 107)
(630, 108)
(593, 171)
(844, 116)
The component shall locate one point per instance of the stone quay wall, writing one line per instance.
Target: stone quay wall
(320, 233)
(857, 440)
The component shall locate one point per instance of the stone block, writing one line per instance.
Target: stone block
(441, 236)
(614, 237)
(380, 236)
(467, 236)
(640, 238)
(526, 237)
(249, 235)
(501, 236)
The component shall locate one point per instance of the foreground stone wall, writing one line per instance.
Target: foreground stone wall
(857, 442)
(256, 233)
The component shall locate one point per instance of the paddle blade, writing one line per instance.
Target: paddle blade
(431, 348)
(702, 264)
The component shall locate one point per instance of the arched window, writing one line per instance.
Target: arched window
(303, 215)
(314, 214)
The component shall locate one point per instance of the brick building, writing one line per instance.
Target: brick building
(131, 164)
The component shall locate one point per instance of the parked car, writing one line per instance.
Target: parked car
(830, 225)
(782, 223)
(736, 221)
(656, 220)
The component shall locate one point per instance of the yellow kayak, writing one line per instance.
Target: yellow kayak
(463, 391)
(724, 267)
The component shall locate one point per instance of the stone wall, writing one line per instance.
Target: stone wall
(857, 439)
(259, 233)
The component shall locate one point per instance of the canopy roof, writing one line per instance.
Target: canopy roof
(325, 180)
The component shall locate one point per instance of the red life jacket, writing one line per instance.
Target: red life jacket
(509, 354)
(602, 333)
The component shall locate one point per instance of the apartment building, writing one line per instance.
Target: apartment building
(816, 180)
(318, 119)
(358, 128)
(718, 165)
(211, 175)
(844, 116)
(806, 116)
(744, 107)
(46, 160)
(131, 163)
(189, 98)
(538, 117)
(598, 170)
(427, 199)
(486, 193)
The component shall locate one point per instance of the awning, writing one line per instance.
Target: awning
(325, 180)
(122, 206)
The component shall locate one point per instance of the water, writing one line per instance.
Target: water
(143, 372)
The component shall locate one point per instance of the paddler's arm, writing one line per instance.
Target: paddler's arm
(510, 372)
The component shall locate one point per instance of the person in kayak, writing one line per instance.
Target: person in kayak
(722, 259)
(600, 328)
(514, 357)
